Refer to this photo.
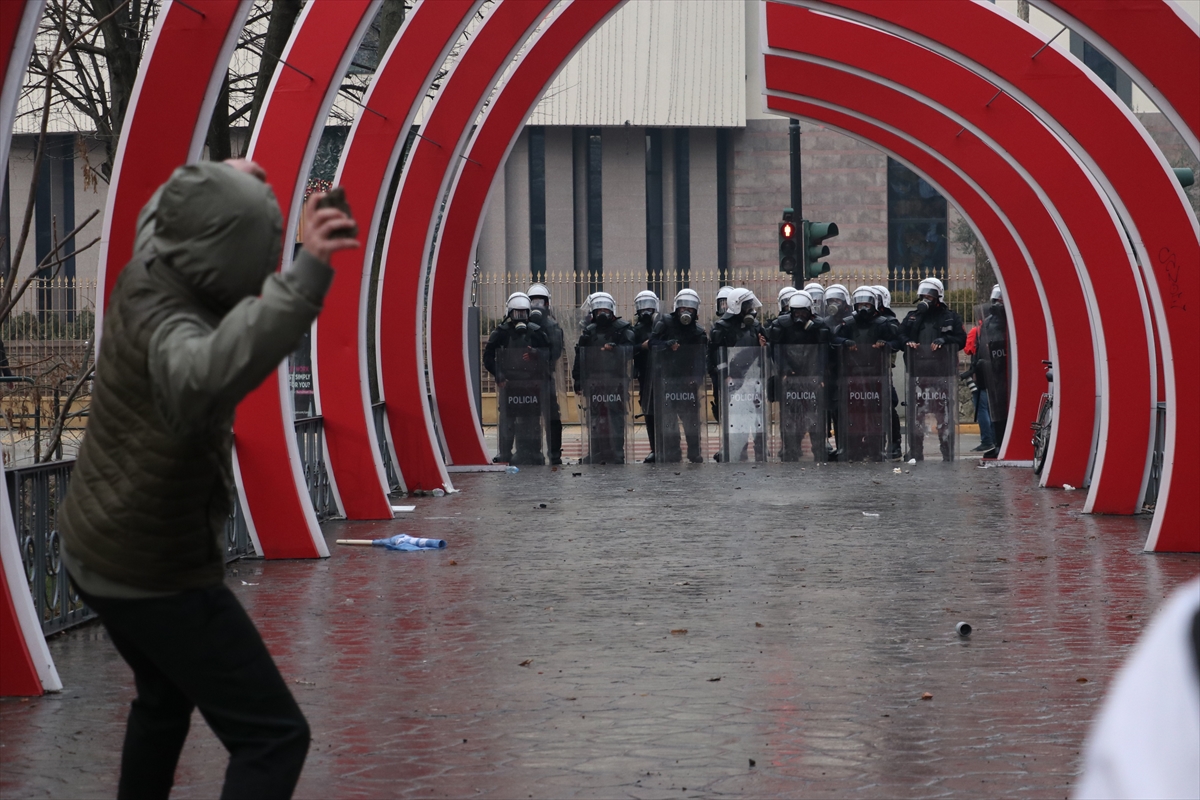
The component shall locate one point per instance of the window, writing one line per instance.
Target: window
(916, 229)
(537, 203)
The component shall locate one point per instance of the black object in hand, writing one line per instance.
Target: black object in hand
(336, 198)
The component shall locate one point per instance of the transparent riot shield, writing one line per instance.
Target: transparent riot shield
(605, 411)
(864, 407)
(932, 398)
(798, 386)
(524, 394)
(745, 412)
(678, 400)
(992, 367)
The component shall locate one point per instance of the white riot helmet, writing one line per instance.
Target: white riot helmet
(931, 286)
(645, 301)
(784, 294)
(738, 299)
(723, 298)
(817, 292)
(885, 297)
(799, 300)
(538, 291)
(518, 308)
(687, 303)
(996, 295)
(603, 302)
(866, 295)
(838, 293)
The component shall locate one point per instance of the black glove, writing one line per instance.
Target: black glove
(939, 341)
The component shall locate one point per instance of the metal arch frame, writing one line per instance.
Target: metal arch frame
(268, 469)
(1152, 63)
(1023, 206)
(1124, 160)
(1080, 209)
(403, 271)
(369, 158)
(166, 119)
(1021, 286)
(494, 138)
(26, 666)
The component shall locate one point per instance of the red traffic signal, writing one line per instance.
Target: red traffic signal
(787, 230)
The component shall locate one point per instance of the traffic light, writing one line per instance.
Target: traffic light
(788, 243)
(814, 233)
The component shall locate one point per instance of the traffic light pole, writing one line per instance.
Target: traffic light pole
(797, 187)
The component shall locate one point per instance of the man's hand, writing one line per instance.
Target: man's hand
(608, 347)
(934, 346)
(762, 340)
(913, 345)
(879, 344)
(852, 345)
(320, 224)
(674, 346)
(528, 355)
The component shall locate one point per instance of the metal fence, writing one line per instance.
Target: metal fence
(46, 341)
(310, 436)
(379, 411)
(36, 493)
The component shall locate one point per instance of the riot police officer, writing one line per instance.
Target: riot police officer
(645, 308)
(992, 366)
(737, 329)
(885, 309)
(517, 356)
(600, 377)
(800, 350)
(867, 339)
(837, 307)
(784, 293)
(722, 300)
(933, 334)
(541, 314)
(678, 350)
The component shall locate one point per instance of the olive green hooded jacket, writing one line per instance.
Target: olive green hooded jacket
(196, 321)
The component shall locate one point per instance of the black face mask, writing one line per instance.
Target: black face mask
(602, 319)
(535, 314)
(803, 317)
(646, 314)
(998, 310)
(519, 325)
(924, 307)
(864, 315)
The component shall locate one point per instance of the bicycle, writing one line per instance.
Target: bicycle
(1045, 419)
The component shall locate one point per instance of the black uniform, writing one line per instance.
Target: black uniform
(894, 447)
(642, 328)
(520, 356)
(554, 332)
(686, 375)
(992, 367)
(866, 378)
(803, 373)
(732, 331)
(607, 416)
(940, 325)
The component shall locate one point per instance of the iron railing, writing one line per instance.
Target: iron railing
(37, 493)
(1156, 458)
(379, 411)
(310, 436)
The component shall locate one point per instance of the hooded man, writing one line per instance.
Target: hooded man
(196, 321)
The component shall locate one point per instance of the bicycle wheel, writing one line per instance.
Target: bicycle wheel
(1041, 439)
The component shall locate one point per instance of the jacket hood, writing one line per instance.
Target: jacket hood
(219, 231)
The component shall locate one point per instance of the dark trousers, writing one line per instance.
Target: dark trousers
(199, 649)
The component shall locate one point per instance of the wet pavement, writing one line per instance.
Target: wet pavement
(685, 631)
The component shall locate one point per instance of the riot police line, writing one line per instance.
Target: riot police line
(814, 383)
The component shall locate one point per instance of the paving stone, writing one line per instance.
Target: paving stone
(857, 620)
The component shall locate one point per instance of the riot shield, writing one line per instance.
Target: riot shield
(678, 402)
(606, 414)
(932, 397)
(524, 392)
(992, 366)
(799, 390)
(745, 412)
(865, 403)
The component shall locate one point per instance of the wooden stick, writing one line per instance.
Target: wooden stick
(359, 542)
